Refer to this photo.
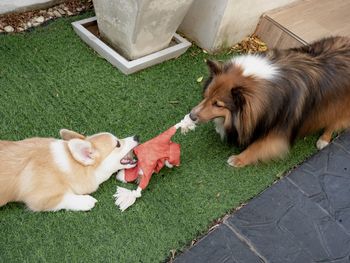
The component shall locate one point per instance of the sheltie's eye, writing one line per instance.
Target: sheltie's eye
(218, 104)
(118, 144)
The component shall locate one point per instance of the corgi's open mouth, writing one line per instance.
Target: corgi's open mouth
(129, 158)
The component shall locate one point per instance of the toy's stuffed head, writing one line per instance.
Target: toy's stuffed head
(152, 156)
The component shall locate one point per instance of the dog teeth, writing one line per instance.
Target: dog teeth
(128, 160)
(124, 161)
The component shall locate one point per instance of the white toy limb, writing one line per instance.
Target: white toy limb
(167, 164)
(186, 124)
(126, 197)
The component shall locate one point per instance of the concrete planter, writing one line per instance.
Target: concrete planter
(88, 31)
(136, 28)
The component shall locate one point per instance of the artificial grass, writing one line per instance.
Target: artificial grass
(49, 79)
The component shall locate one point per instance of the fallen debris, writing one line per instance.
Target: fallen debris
(18, 22)
(251, 44)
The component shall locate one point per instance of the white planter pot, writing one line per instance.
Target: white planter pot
(136, 28)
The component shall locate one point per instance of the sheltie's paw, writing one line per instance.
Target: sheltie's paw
(321, 144)
(236, 161)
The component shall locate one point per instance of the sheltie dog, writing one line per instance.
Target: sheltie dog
(264, 102)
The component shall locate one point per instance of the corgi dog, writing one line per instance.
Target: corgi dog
(48, 174)
(264, 102)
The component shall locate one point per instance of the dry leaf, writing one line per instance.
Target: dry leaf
(200, 79)
(251, 44)
(172, 257)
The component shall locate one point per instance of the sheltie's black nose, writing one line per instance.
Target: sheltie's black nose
(193, 116)
(136, 138)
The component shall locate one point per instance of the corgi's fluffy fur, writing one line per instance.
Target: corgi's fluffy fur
(264, 102)
(49, 174)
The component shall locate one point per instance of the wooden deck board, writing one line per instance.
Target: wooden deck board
(304, 21)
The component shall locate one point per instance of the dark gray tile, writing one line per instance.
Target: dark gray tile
(338, 160)
(325, 179)
(221, 245)
(344, 140)
(295, 228)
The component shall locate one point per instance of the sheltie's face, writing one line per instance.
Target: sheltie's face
(235, 95)
(223, 94)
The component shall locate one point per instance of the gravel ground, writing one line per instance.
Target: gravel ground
(18, 22)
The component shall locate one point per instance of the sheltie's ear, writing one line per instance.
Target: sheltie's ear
(238, 98)
(215, 67)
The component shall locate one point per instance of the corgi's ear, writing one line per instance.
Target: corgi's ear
(68, 135)
(82, 151)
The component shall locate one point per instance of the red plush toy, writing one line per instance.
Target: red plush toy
(152, 156)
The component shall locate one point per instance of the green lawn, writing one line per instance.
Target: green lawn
(49, 79)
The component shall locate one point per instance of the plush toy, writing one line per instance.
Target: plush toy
(152, 156)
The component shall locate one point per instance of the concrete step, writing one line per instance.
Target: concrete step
(303, 22)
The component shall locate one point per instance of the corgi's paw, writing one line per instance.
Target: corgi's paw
(76, 202)
(121, 176)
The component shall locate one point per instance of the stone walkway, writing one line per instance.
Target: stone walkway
(305, 217)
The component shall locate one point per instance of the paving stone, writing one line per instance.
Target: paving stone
(298, 228)
(329, 185)
(221, 245)
(305, 217)
(344, 140)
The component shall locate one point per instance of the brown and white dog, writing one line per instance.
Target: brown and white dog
(264, 102)
(48, 174)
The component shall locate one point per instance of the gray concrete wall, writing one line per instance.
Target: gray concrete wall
(215, 24)
(203, 21)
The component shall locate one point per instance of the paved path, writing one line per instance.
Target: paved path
(305, 217)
